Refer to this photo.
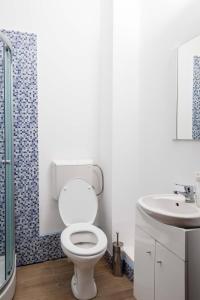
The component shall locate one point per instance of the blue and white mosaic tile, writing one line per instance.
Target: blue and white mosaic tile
(128, 267)
(30, 246)
(196, 99)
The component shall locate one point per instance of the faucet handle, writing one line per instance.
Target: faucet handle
(188, 188)
(189, 192)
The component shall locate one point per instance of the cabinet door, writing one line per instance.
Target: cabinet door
(144, 266)
(169, 275)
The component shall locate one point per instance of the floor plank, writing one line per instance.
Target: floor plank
(51, 281)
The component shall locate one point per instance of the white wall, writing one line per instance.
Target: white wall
(125, 119)
(164, 26)
(145, 159)
(118, 118)
(93, 57)
(87, 92)
(105, 117)
(69, 109)
(68, 78)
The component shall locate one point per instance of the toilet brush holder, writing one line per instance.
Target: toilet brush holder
(117, 257)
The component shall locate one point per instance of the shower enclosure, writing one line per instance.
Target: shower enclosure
(7, 248)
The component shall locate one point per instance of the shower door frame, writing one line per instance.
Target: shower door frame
(9, 173)
(8, 162)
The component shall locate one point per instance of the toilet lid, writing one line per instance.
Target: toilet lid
(78, 202)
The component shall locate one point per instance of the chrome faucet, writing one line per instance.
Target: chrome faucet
(189, 192)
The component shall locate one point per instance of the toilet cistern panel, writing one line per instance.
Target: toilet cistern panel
(77, 202)
(63, 171)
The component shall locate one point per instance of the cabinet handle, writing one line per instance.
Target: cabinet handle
(148, 252)
(159, 261)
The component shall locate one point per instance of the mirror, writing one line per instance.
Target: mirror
(188, 106)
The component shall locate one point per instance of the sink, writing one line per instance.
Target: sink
(171, 209)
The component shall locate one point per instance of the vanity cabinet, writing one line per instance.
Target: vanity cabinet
(144, 265)
(167, 261)
(159, 273)
(169, 275)
(167, 258)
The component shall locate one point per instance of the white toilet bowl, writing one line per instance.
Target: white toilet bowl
(81, 241)
(84, 244)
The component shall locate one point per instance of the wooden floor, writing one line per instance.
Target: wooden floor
(51, 281)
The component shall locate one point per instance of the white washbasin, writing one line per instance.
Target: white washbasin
(171, 209)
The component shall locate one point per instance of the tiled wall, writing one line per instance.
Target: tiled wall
(30, 246)
(196, 99)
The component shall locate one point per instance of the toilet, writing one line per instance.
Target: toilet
(82, 242)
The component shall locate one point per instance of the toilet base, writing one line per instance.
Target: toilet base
(88, 293)
(83, 284)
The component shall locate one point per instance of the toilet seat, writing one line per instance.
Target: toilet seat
(67, 243)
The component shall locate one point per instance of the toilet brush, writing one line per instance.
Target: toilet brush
(117, 257)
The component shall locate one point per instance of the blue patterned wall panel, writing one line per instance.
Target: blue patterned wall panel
(196, 99)
(30, 246)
